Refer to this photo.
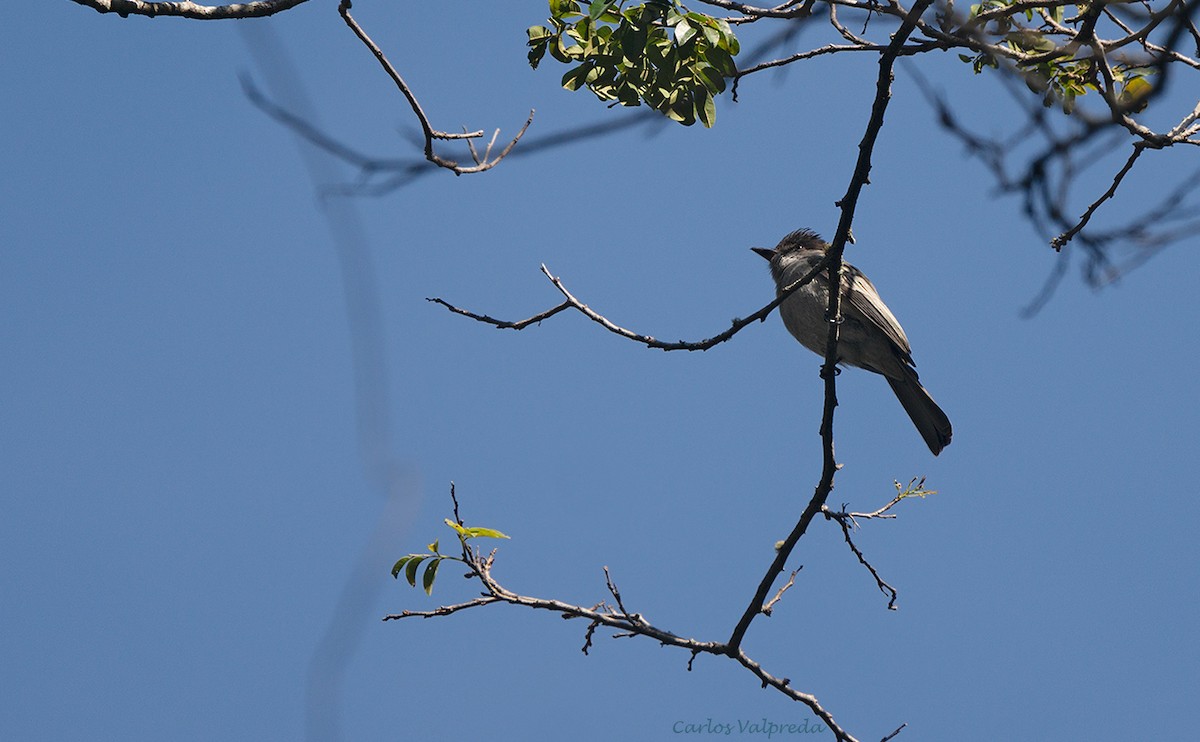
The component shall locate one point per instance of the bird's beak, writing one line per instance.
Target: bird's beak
(765, 252)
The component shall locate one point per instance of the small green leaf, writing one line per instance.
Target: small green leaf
(1136, 89)
(536, 53)
(410, 569)
(434, 546)
(429, 576)
(684, 32)
(706, 109)
(567, 49)
(722, 60)
(538, 33)
(575, 79)
(710, 78)
(483, 533)
(455, 526)
(398, 566)
(729, 41)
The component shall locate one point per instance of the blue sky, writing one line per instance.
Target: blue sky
(195, 539)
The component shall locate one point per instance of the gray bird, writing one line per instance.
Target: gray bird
(870, 337)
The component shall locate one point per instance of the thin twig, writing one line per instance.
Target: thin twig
(624, 625)
(648, 340)
(834, 255)
(193, 11)
(444, 610)
(430, 133)
(845, 520)
(1058, 242)
(895, 732)
(770, 606)
(454, 499)
(502, 324)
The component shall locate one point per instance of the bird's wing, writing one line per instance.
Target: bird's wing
(863, 297)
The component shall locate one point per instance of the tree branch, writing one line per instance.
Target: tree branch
(194, 11)
(621, 621)
(845, 520)
(481, 164)
(648, 340)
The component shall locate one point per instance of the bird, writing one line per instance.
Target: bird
(869, 336)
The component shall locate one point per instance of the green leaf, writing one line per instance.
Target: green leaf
(400, 565)
(721, 59)
(456, 527)
(567, 49)
(684, 33)
(710, 78)
(434, 546)
(729, 40)
(565, 9)
(535, 55)
(429, 576)
(538, 33)
(483, 533)
(574, 79)
(410, 569)
(706, 109)
(1136, 89)
(657, 51)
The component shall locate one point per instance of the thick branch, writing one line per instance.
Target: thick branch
(845, 521)
(848, 203)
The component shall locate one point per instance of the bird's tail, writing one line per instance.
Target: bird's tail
(931, 422)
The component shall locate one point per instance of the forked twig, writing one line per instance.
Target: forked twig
(649, 341)
(430, 133)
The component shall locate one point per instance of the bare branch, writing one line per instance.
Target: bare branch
(444, 610)
(896, 731)
(649, 341)
(845, 520)
(791, 9)
(621, 621)
(1058, 242)
(383, 175)
(194, 11)
(502, 324)
(431, 133)
(770, 605)
(834, 257)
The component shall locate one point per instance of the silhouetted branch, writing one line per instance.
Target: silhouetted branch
(844, 520)
(622, 622)
(486, 162)
(194, 11)
(770, 604)
(648, 340)
(1045, 160)
(894, 732)
(400, 172)
(848, 203)
(444, 610)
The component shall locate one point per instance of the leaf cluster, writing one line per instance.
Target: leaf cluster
(1049, 62)
(656, 52)
(410, 564)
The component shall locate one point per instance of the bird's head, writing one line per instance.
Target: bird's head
(791, 245)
